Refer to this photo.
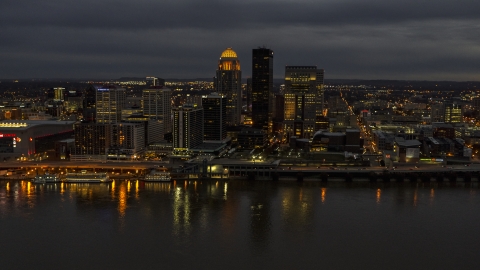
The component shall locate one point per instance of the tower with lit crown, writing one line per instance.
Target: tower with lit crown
(228, 82)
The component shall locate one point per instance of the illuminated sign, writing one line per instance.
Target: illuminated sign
(103, 89)
(7, 135)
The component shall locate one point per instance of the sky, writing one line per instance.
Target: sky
(350, 39)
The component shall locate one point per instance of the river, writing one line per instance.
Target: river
(239, 225)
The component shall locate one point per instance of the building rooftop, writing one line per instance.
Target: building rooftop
(407, 143)
(26, 124)
(229, 53)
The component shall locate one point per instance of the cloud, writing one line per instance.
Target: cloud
(183, 39)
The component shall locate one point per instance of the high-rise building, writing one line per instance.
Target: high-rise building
(453, 113)
(157, 104)
(228, 82)
(152, 128)
(110, 100)
(89, 98)
(187, 127)
(262, 89)
(249, 95)
(303, 101)
(437, 112)
(320, 91)
(91, 139)
(278, 114)
(59, 93)
(214, 117)
(126, 140)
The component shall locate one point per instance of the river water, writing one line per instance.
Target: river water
(239, 225)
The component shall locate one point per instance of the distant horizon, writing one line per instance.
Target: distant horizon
(211, 79)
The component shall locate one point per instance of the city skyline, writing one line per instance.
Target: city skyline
(406, 40)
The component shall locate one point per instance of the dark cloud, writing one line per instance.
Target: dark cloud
(183, 39)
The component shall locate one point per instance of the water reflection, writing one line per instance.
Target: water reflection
(324, 194)
(195, 207)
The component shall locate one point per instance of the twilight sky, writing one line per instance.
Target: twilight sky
(350, 39)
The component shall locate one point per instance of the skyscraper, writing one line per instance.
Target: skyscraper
(91, 139)
(453, 113)
(214, 117)
(110, 100)
(59, 93)
(228, 82)
(157, 105)
(89, 97)
(187, 127)
(303, 100)
(262, 89)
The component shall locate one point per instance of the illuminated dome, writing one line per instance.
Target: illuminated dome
(228, 53)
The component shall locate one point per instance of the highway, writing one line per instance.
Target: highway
(139, 165)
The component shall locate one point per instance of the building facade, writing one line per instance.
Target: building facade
(157, 105)
(187, 127)
(214, 117)
(110, 100)
(262, 89)
(303, 100)
(228, 82)
(24, 137)
(91, 139)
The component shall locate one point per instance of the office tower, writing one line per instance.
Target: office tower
(302, 100)
(437, 112)
(59, 93)
(476, 103)
(126, 140)
(153, 129)
(91, 139)
(157, 104)
(262, 89)
(187, 127)
(54, 108)
(154, 81)
(110, 100)
(228, 83)
(278, 114)
(320, 92)
(214, 117)
(249, 95)
(89, 98)
(453, 113)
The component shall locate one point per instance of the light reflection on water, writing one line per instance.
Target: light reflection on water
(243, 221)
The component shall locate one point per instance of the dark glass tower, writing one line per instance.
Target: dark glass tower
(89, 99)
(262, 89)
(214, 117)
